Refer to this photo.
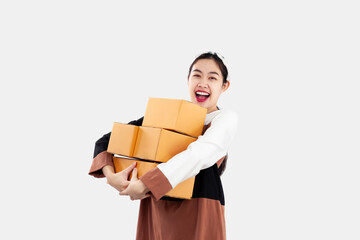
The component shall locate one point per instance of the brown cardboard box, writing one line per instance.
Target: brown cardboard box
(122, 139)
(175, 114)
(143, 167)
(157, 144)
(183, 190)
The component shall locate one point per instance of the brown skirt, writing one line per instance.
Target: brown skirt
(197, 218)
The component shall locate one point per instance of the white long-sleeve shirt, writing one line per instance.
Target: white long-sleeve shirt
(205, 151)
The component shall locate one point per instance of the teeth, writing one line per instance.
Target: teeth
(202, 93)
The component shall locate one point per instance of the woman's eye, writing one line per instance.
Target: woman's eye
(196, 75)
(213, 78)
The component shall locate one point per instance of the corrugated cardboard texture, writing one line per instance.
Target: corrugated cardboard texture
(160, 145)
(175, 114)
(183, 190)
(122, 139)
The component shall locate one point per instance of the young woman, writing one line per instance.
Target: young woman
(201, 217)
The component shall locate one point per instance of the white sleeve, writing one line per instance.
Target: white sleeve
(204, 152)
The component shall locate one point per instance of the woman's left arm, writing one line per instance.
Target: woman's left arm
(200, 154)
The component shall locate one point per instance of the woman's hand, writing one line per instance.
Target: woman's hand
(136, 189)
(119, 180)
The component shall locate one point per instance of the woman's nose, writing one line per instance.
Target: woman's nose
(202, 83)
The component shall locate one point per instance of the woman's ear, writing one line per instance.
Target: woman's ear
(225, 86)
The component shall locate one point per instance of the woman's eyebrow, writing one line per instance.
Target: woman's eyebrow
(214, 73)
(197, 70)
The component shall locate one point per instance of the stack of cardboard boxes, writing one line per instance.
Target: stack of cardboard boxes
(169, 126)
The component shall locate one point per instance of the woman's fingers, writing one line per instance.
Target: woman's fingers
(134, 175)
(135, 189)
(128, 170)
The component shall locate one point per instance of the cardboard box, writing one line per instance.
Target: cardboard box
(157, 144)
(143, 167)
(183, 190)
(122, 139)
(175, 114)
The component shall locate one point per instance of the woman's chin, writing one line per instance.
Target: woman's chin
(204, 104)
(201, 104)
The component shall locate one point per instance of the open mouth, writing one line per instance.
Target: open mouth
(201, 96)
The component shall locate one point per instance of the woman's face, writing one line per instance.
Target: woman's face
(206, 84)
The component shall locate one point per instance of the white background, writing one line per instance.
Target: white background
(69, 69)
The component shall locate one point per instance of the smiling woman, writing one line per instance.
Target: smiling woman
(201, 217)
(207, 79)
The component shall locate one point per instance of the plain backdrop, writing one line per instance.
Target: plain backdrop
(69, 69)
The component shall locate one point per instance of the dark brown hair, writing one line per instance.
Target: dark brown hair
(214, 56)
